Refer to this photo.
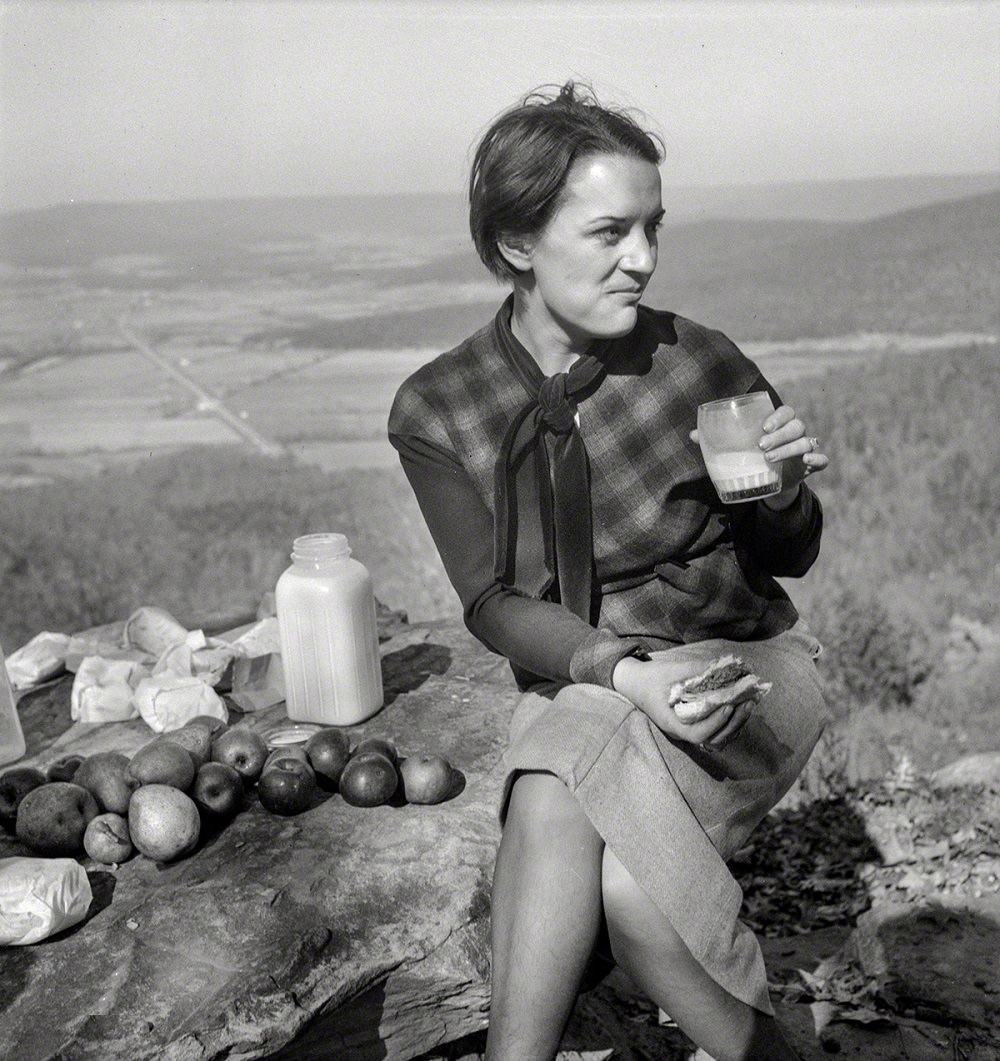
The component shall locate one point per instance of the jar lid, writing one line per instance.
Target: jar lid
(288, 733)
(314, 548)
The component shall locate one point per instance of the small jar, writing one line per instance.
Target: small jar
(329, 639)
(12, 745)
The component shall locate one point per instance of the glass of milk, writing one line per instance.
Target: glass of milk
(728, 432)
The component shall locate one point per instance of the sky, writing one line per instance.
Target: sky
(110, 100)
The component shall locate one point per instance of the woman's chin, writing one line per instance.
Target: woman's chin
(619, 324)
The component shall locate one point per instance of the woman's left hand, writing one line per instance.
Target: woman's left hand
(785, 442)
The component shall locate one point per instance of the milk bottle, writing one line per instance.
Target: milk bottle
(329, 641)
(11, 736)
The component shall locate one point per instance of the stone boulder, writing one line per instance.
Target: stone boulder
(980, 768)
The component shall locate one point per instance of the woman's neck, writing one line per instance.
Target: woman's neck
(548, 344)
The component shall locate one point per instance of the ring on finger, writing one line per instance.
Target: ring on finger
(813, 444)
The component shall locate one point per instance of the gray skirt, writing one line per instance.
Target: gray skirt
(674, 812)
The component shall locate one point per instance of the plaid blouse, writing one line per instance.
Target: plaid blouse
(672, 564)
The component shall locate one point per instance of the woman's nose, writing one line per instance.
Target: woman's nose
(640, 254)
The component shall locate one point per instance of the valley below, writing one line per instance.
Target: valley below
(116, 379)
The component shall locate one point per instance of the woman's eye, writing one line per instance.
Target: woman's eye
(611, 234)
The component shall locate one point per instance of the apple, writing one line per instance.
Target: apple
(213, 724)
(105, 775)
(426, 778)
(15, 784)
(63, 769)
(161, 762)
(53, 817)
(379, 745)
(293, 764)
(218, 789)
(107, 839)
(242, 748)
(291, 751)
(288, 787)
(368, 780)
(328, 751)
(195, 740)
(163, 822)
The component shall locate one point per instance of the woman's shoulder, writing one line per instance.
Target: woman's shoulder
(437, 384)
(673, 348)
(671, 329)
(440, 369)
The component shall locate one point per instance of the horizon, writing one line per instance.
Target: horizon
(991, 175)
(121, 101)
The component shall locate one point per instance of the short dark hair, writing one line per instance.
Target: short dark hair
(523, 160)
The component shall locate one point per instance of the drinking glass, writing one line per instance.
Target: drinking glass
(728, 432)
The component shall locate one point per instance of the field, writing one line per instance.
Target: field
(173, 413)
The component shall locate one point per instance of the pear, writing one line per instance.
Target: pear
(53, 817)
(105, 776)
(162, 762)
(107, 839)
(163, 822)
(197, 740)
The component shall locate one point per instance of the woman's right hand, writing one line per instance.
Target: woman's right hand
(650, 685)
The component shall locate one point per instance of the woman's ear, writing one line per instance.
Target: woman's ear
(516, 251)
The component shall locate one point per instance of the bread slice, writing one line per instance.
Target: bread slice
(723, 671)
(726, 681)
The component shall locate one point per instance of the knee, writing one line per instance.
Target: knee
(541, 808)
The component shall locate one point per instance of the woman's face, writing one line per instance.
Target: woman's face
(588, 268)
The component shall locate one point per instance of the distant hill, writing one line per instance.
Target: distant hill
(922, 268)
(933, 269)
(220, 229)
(840, 200)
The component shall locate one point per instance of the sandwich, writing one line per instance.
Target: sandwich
(725, 681)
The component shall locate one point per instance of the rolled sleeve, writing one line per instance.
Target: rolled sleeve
(596, 657)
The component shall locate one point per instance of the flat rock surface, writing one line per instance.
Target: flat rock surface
(363, 934)
(235, 949)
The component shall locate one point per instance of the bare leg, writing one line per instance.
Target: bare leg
(648, 948)
(546, 911)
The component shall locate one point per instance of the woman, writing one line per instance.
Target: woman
(553, 457)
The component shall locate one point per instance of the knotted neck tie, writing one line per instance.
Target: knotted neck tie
(542, 503)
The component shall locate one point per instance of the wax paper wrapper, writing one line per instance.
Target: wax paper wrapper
(168, 701)
(153, 630)
(107, 641)
(258, 681)
(39, 897)
(207, 658)
(103, 690)
(43, 657)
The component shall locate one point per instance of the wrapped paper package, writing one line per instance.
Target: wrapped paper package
(103, 690)
(39, 897)
(43, 657)
(197, 656)
(153, 630)
(258, 681)
(168, 701)
(107, 641)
